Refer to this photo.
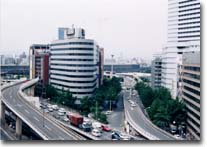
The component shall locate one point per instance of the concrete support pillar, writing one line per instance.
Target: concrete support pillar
(18, 128)
(3, 107)
(32, 90)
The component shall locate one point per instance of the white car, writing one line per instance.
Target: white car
(61, 113)
(108, 112)
(97, 125)
(133, 105)
(62, 110)
(96, 132)
(65, 119)
(124, 136)
(50, 109)
(55, 107)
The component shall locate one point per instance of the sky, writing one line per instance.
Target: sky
(131, 28)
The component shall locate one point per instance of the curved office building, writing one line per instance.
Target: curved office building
(73, 64)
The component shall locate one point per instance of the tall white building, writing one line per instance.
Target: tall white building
(183, 36)
(74, 63)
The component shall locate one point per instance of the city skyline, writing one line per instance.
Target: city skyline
(38, 25)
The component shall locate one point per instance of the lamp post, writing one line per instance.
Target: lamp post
(112, 70)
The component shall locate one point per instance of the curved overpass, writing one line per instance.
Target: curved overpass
(46, 128)
(138, 121)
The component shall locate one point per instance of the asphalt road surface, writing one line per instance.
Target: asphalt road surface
(45, 126)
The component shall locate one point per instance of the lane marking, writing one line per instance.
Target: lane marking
(48, 128)
(36, 119)
(26, 111)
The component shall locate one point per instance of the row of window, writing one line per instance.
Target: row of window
(192, 76)
(187, 23)
(191, 83)
(189, 10)
(188, 18)
(74, 65)
(183, 28)
(67, 70)
(69, 81)
(77, 87)
(66, 49)
(57, 59)
(72, 43)
(188, 32)
(189, 14)
(73, 76)
(189, 5)
(186, 1)
(72, 54)
(189, 36)
(191, 68)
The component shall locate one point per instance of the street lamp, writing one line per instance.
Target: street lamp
(112, 66)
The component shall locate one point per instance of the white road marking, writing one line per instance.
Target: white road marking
(36, 118)
(48, 128)
(26, 111)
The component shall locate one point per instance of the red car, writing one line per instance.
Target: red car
(106, 128)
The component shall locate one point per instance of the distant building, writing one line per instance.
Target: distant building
(191, 91)
(156, 72)
(39, 66)
(122, 68)
(74, 63)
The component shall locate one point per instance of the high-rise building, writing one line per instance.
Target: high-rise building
(183, 36)
(156, 71)
(191, 91)
(74, 63)
(39, 66)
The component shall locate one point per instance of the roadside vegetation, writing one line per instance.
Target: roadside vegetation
(161, 108)
(104, 98)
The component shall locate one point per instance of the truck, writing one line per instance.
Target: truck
(75, 119)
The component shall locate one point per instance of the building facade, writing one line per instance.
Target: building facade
(183, 36)
(191, 91)
(156, 72)
(74, 63)
(39, 66)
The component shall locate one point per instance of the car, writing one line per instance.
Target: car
(86, 126)
(115, 135)
(96, 132)
(62, 110)
(106, 128)
(55, 107)
(133, 105)
(97, 125)
(61, 113)
(50, 109)
(65, 119)
(108, 112)
(46, 110)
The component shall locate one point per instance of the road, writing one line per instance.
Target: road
(51, 130)
(140, 120)
(116, 119)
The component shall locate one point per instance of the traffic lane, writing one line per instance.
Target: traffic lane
(140, 119)
(116, 118)
(34, 118)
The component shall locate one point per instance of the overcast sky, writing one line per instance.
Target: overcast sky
(133, 28)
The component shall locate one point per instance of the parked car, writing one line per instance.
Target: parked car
(55, 107)
(120, 136)
(96, 132)
(61, 113)
(106, 128)
(133, 105)
(65, 119)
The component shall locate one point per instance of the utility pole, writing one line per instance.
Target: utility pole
(112, 70)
